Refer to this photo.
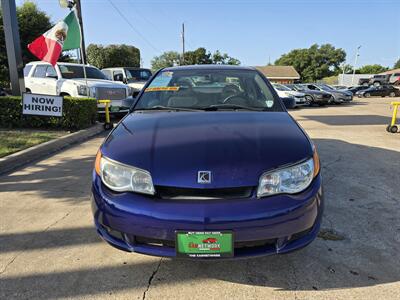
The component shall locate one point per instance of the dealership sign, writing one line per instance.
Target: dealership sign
(42, 105)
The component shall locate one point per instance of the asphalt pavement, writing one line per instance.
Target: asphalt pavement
(49, 248)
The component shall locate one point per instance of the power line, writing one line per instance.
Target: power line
(133, 28)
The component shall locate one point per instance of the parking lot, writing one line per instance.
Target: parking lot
(49, 248)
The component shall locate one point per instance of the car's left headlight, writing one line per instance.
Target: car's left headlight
(290, 180)
(122, 178)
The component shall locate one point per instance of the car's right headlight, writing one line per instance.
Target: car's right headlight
(290, 180)
(82, 90)
(122, 178)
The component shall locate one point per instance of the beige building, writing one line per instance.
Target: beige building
(280, 74)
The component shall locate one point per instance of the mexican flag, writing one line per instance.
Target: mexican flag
(65, 35)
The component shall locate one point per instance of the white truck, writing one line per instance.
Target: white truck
(135, 78)
(67, 79)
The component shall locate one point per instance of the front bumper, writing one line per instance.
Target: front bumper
(301, 101)
(343, 99)
(323, 100)
(277, 224)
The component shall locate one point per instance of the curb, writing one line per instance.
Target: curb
(23, 157)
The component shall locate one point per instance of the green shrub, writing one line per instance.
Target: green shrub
(78, 113)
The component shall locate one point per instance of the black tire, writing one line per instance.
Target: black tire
(388, 128)
(28, 91)
(65, 95)
(392, 94)
(367, 95)
(393, 129)
(310, 100)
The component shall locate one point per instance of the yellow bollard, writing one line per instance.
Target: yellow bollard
(393, 128)
(107, 124)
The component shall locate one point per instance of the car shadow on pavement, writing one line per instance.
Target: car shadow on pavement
(66, 178)
(345, 120)
(362, 204)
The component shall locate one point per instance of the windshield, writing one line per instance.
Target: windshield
(202, 88)
(281, 87)
(298, 88)
(71, 72)
(138, 75)
(326, 87)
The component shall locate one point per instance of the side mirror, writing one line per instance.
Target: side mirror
(289, 102)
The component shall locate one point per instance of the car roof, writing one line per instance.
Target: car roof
(208, 67)
(58, 63)
(135, 68)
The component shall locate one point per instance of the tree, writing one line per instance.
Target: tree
(224, 59)
(371, 69)
(397, 64)
(113, 56)
(167, 59)
(315, 62)
(200, 56)
(348, 69)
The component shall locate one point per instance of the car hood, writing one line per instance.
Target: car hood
(97, 83)
(137, 84)
(295, 93)
(346, 93)
(237, 147)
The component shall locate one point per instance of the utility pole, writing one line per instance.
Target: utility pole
(79, 14)
(183, 44)
(13, 46)
(355, 64)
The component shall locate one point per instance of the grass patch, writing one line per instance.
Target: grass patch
(12, 141)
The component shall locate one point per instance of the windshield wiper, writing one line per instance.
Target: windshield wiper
(230, 106)
(161, 107)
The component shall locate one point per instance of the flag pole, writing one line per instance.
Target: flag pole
(83, 56)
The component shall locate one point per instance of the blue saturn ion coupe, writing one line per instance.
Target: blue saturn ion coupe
(208, 164)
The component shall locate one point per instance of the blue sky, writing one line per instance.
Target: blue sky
(252, 31)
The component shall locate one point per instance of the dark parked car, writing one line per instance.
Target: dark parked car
(338, 97)
(224, 158)
(382, 91)
(355, 89)
(314, 97)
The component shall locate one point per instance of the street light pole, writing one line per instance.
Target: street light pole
(355, 64)
(183, 44)
(13, 46)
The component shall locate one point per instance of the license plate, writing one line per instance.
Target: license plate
(114, 108)
(204, 244)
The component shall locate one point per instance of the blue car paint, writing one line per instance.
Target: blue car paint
(237, 146)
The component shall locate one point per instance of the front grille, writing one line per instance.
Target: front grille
(104, 93)
(141, 240)
(255, 244)
(165, 192)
